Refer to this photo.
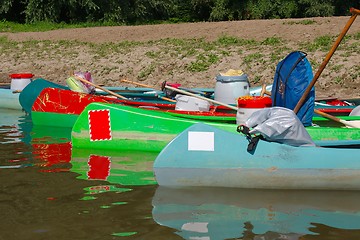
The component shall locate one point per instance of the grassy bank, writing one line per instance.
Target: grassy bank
(192, 62)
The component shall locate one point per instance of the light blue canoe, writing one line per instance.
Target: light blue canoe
(227, 213)
(204, 155)
(9, 99)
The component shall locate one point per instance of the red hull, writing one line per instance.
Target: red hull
(54, 100)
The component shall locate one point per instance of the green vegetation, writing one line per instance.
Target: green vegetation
(254, 57)
(301, 22)
(48, 14)
(272, 41)
(322, 43)
(42, 26)
(147, 71)
(203, 62)
(188, 55)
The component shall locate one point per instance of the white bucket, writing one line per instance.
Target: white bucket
(229, 88)
(243, 114)
(20, 80)
(188, 103)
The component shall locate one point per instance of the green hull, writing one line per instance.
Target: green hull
(130, 128)
(317, 120)
(67, 120)
(54, 119)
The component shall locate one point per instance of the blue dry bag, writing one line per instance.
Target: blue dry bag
(293, 75)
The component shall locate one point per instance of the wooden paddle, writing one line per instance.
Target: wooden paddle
(147, 86)
(201, 97)
(136, 83)
(354, 12)
(351, 124)
(97, 86)
(264, 91)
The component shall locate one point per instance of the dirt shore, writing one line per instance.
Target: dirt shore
(341, 78)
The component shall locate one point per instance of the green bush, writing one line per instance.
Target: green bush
(114, 12)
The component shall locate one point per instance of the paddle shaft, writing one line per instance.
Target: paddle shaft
(354, 12)
(136, 83)
(201, 97)
(147, 86)
(97, 86)
(346, 123)
(264, 91)
(165, 98)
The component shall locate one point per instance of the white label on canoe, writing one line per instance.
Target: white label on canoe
(200, 227)
(201, 141)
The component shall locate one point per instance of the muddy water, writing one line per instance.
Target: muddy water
(50, 191)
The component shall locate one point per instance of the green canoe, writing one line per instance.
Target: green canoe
(112, 126)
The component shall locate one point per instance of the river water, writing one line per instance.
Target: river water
(50, 191)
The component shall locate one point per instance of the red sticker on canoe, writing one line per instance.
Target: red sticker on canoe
(99, 125)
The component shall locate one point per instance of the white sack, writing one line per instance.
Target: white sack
(278, 124)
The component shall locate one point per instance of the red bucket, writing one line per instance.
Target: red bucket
(248, 105)
(254, 102)
(20, 80)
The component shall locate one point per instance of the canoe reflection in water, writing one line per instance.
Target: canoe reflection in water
(120, 167)
(218, 213)
(116, 167)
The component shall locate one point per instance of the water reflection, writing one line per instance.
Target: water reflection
(50, 191)
(30, 145)
(46, 195)
(212, 213)
(15, 152)
(120, 167)
(14, 124)
(13, 118)
(52, 157)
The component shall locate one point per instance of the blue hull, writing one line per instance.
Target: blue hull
(9, 99)
(203, 155)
